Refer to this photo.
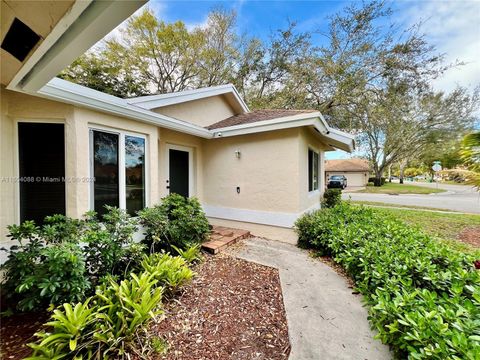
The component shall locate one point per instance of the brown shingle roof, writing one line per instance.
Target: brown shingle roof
(347, 165)
(257, 115)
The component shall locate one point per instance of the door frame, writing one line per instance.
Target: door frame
(16, 158)
(191, 175)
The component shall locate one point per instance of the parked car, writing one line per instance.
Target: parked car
(337, 181)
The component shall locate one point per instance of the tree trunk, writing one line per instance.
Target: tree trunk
(378, 178)
(402, 169)
(389, 173)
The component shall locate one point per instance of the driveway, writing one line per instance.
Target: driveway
(456, 198)
(325, 320)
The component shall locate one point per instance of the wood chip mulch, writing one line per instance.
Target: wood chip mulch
(470, 235)
(17, 331)
(233, 309)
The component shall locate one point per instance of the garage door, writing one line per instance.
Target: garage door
(356, 179)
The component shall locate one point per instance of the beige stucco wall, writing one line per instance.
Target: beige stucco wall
(309, 140)
(202, 112)
(272, 171)
(19, 107)
(267, 171)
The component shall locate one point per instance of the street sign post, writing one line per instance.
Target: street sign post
(436, 167)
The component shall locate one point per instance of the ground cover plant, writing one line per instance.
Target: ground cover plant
(93, 274)
(395, 188)
(424, 296)
(114, 320)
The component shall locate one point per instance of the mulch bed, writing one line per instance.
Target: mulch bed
(17, 331)
(233, 309)
(470, 235)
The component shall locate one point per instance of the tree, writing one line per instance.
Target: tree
(470, 154)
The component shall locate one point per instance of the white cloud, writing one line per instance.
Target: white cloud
(454, 28)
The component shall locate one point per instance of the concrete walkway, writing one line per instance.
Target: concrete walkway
(325, 320)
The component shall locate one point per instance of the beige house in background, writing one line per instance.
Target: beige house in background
(357, 171)
(68, 149)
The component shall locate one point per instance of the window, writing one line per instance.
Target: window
(313, 162)
(118, 166)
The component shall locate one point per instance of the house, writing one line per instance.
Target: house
(68, 149)
(355, 170)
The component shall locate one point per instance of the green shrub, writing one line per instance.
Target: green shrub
(331, 197)
(112, 322)
(177, 221)
(110, 250)
(373, 180)
(58, 276)
(424, 296)
(59, 261)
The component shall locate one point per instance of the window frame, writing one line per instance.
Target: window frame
(310, 165)
(122, 199)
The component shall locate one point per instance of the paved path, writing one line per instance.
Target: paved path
(456, 198)
(325, 320)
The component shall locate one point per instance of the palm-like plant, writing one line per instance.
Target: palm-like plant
(470, 154)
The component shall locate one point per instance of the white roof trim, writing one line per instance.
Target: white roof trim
(65, 91)
(156, 101)
(80, 28)
(314, 119)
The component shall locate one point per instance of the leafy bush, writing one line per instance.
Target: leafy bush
(177, 221)
(110, 323)
(59, 276)
(109, 250)
(332, 197)
(51, 266)
(373, 180)
(424, 297)
(37, 275)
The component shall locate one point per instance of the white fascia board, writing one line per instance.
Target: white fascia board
(62, 26)
(342, 137)
(90, 26)
(156, 101)
(305, 119)
(314, 119)
(65, 91)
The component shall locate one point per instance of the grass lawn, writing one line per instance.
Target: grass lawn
(394, 188)
(445, 226)
(383, 204)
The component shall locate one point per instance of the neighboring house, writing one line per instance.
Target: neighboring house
(69, 149)
(356, 171)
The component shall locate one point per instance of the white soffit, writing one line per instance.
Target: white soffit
(87, 22)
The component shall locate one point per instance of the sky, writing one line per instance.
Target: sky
(453, 26)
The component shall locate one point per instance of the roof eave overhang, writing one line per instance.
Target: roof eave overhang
(64, 91)
(332, 137)
(86, 22)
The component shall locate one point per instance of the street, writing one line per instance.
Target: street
(456, 198)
